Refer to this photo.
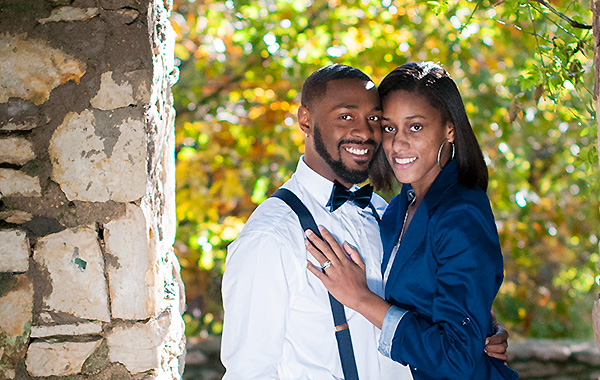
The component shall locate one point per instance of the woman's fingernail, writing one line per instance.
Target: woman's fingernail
(321, 228)
(308, 232)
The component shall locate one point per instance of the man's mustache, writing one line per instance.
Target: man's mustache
(357, 142)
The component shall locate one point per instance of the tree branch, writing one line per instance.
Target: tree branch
(573, 23)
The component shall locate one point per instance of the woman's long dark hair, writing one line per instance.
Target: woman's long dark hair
(431, 81)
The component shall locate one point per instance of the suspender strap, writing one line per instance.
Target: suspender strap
(375, 214)
(342, 334)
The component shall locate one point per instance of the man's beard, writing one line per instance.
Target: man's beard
(339, 168)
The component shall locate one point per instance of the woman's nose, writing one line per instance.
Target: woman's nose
(400, 142)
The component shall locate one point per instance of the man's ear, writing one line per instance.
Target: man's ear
(304, 119)
(450, 132)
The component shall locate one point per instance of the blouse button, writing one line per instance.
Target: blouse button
(466, 321)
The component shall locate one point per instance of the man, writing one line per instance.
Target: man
(278, 320)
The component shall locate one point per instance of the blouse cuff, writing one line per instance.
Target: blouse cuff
(392, 318)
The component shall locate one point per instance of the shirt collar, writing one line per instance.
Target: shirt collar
(317, 186)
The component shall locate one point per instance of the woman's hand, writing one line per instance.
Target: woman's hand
(344, 276)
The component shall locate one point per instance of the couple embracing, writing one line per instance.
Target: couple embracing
(417, 277)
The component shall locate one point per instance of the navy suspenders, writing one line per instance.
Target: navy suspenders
(342, 334)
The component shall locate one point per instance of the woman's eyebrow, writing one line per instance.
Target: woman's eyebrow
(408, 117)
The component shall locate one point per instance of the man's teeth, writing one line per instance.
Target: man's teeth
(404, 161)
(357, 151)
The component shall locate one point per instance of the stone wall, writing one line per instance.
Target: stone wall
(89, 283)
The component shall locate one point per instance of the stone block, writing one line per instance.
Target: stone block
(70, 14)
(111, 94)
(69, 330)
(119, 90)
(20, 115)
(25, 126)
(58, 358)
(136, 346)
(14, 251)
(174, 281)
(16, 302)
(133, 270)
(31, 68)
(126, 15)
(75, 266)
(89, 168)
(16, 150)
(154, 345)
(15, 216)
(16, 183)
(16, 310)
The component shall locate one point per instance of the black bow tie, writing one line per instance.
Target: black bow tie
(339, 196)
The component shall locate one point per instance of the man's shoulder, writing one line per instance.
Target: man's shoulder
(271, 215)
(272, 219)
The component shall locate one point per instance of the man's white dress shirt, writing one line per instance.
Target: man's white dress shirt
(278, 322)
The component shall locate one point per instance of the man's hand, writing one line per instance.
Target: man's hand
(496, 345)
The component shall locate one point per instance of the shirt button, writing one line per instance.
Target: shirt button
(360, 231)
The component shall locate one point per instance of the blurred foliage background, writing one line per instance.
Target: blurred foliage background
(525, 72)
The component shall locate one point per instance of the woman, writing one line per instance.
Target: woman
(442, 263)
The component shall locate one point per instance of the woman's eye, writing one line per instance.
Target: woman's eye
(416, 127)
(388, 129)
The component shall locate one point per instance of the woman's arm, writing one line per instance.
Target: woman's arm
(449, 337)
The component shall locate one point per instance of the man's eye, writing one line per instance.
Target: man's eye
(346, 117)
(374, 118)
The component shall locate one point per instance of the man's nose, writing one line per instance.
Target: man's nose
(362, 130)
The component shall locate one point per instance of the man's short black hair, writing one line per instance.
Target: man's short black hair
(315, 85)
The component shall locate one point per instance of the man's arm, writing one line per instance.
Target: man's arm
(497, 344)
(256, 302)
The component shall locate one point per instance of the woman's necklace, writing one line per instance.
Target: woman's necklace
(412, 199)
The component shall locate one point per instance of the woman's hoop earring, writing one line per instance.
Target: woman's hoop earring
(440, 152)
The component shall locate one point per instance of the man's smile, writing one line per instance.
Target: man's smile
(357, 151)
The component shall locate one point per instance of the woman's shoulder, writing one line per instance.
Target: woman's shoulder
(463, 197)
(466, 208)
